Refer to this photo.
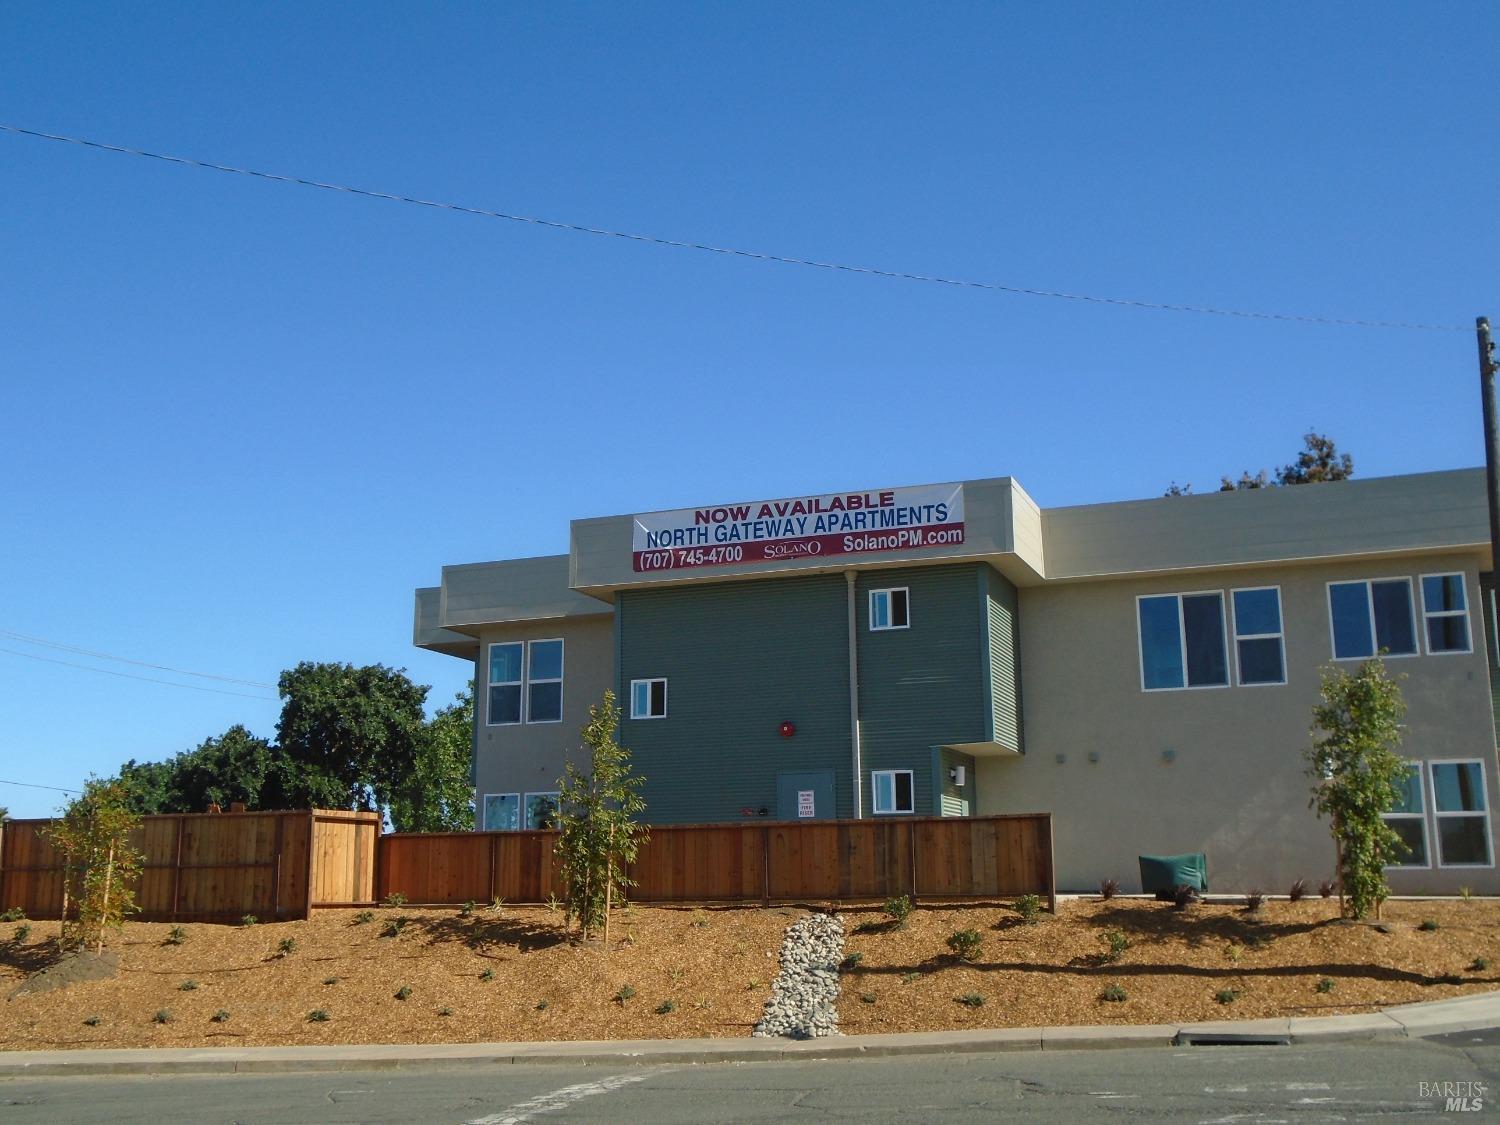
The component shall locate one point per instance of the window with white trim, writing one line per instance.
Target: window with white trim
(1370, 616)
(1258, 641)
(893, 792)
(502, 812)
(1408, 818)
(541, 810)
(648, 699)
(1445, 613)
(890, 609)
(505, 684)
(544, 676)
(1182, 641)
(1461, 813)
(525, 682)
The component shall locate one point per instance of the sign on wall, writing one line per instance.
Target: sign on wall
(844, 523)
(805, 806)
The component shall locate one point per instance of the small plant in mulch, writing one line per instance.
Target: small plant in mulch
(1108, 888)
(404, 992)
(330, 980)
(897, 909)
(1428, 925)
(541, 1005)
(363, 918)
(1325, 985)
(666, 1007)
(753, 986)
(1113, 994)
(445, 1011)
(221, 1016)
(1227, 995)
(286, 945)
(700, 919)
(188, 986)
(467, 909)
(1254, 901)
(851, 960)
(867, 997)
(1183, 896)
(966, 944)
(1479, 964)
(554, 903)
(14, 914)
(674, 974)
(626, 993)
(175, 936)
(497, 904)
(318, 1015)
(1326, 888)
(1298, 891)
(703, 1004)
(1234, 952)
(249, 920)
(1118, 943)
(394, 926)
(92, 1021)
(1029, 907)
(23, 931)
(163, 1015)
(1466, 893)
(907, 978)
(395, 898)
(487, 975)
(970, 1000)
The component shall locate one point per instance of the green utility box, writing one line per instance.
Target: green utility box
(1163, 874)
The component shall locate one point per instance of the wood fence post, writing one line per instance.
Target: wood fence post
(275, 870)
(494, 876)
(911, 858)
(1051, 867)
(312, 862)
(765, 864)
(177, 868)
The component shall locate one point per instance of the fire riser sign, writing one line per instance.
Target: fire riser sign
(844, 523)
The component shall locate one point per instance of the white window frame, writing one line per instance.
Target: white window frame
(1426, 642)
(1484, 787)
(875, 793)
(648, 681)
(526, 808)
(1280, 638)
(1140, 655)
(484, 810)
(562, 664)
(1420, 772)
(1411, 608)
(888, 591)
(489, 719)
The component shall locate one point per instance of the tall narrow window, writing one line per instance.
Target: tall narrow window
(1182, 641)
(1257, 635)
(1462, 813)
(1408, 818)
(1371, 616)
(648, 699)
(505, 684)
(544, 676)
(889, 609)
(893, 792)
(502, 811)
(1445, 610)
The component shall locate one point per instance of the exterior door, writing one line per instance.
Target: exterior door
(805, 796)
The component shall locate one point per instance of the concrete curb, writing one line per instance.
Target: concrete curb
(1407, 1021)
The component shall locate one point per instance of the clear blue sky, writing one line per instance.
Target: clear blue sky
(241, 421)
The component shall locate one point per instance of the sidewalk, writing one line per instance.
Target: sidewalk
(1467, 1013)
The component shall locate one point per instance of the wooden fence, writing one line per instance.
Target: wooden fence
(207, 867)
(923, 857)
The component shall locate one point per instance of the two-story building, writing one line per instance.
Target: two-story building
(1146, 671)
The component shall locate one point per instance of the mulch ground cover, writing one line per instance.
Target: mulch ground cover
(442, 976)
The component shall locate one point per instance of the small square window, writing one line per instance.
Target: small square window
(889, 609)
(502, 812)
(1182, 641)
(648, 699)
(893, 792)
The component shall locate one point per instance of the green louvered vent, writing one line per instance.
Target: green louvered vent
(1005, 661)
(1486, 585)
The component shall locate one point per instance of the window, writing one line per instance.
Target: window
(1462, 815)
(889, 609)
(1182, 641)
(648, 699)
(1257, 635)
(1408, 817)
(893, 791)
(1373, 616)
(540, 685)
(1445, 612)
(505, 684)
(544, 682)
(541, 810)
(502, 811)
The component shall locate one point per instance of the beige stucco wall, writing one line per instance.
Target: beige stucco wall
(529, 757)
(1236, 788)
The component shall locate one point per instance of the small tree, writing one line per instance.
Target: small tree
(1357, 777)
(598, 834)
(100, 866)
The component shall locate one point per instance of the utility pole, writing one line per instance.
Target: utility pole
(1487, 369)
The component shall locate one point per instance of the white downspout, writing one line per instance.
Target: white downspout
(859, 788)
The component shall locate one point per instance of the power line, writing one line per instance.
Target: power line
(126, 660)
(34, 785)
(756, 255)
(129, 676)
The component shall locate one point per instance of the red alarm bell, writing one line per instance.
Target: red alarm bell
(788, 728)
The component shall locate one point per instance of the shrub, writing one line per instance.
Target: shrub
(249, 920)
(445, 1011)
(1108, 888)
(898, 909)
(175, 936)
(1428, 925)
(1254, 901)
(1479, 964)
(14, 914)
(754, 986)
(1298, 891)
(1184, 896)
(554, 903)
(363, 917)
(700, 919)
(1324, 985)
(467, 909)
(221, 1016)
(666, 1007)
(907, 978)
(1466, 893)
(394, 926)
(286, 945)
(100, 866)
(867, 997)
(404, 992)
(541, 1005)
(1234, 953)
(188, 986)
(93, 1021)
(625, 993)
(1117, 941)
(970, 1000)
(1227, 995)
(1029, 907)
(497, 904)
(23, 931)
(851, 960)
(487, 974)
(330, 980)
(395, 898)
(318, 1015)
(1327, 887)
(966, 943)
(163, 1015)
(1113, 994)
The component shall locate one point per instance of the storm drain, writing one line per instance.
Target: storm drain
(1229, 1039)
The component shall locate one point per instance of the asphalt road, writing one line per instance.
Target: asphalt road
(1219, 1085)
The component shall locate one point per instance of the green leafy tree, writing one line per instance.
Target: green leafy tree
(100, 864)
(1358, 776)
(360, 727)
(234, 766)
(1319, 461)
(438, 796)
(148, 787)
(598, 834)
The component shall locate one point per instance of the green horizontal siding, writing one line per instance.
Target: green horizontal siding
(1486, 584)
(1004, 660)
